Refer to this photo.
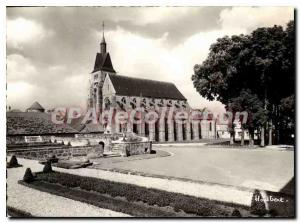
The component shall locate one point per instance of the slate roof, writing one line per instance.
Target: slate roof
(103, 62)
(92, 128)
(131, 86)
(15, 110)
(76, 123)
(36, 106)
(34, 123)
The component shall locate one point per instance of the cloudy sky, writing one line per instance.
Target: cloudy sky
(51, 50)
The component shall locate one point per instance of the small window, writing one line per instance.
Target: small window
(210, 127)
(143, 103)
(132, 105)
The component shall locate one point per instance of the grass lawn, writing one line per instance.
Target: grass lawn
(258, 168)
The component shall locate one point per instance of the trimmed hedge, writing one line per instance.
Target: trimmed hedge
(102, 201)
(17, 213)
(47, 167)
(258, 206)
(28, 176)
(236, 213)
(13, 162)
(133, 193)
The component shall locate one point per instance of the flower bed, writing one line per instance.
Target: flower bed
(131, 195)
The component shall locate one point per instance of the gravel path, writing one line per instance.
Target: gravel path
(42, 204)
(209, 191)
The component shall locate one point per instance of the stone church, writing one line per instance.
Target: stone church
(109, 90)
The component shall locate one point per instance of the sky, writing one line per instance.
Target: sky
(51, 50)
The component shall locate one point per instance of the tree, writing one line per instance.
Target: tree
(271, 63)
(218, 77)
(247, 101)
(257, 63)
(288, 118)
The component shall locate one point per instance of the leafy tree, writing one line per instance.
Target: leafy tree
(218, 77)
(257, 116)
(259, 66)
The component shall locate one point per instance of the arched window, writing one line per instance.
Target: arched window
(133, 103)
(152, 103)
(161, 103)
(123, 100)
(106, 104)
(143, 103)
(133, 106)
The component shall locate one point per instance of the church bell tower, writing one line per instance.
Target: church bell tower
(102, 67)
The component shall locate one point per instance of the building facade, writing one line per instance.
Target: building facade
(138, 98)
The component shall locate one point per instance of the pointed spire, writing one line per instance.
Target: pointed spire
(103, 43)
(103, 39)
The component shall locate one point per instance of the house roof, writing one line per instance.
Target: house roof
(15, 110)
(131, 86)
(34, 123)
(92, 128)
(103, 62)
(76, 123)
(36, 106)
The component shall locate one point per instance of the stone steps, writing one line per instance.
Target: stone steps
(111, 154)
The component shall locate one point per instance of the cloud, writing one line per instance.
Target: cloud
(20, 68)
(50, 85)
(20, 95)
(53, 60)
(137, 56)
(246, 19)
(21, 31)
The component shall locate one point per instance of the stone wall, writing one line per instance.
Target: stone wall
(132, 148)
(62, 152)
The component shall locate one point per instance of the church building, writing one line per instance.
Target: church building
(109, 90)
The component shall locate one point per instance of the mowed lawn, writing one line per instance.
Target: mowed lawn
(266, 169)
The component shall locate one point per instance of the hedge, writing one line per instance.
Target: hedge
(133, 193)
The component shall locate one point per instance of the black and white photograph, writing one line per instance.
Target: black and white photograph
(150, 112)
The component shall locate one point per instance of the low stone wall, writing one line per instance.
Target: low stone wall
(62, 152)
(132, 148)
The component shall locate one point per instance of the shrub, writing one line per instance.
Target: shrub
(47, 167)
(13, 162)
(273, 213)
(258, 206)
(28, 176)
(236, 213)
(69, 143)
(53, 159)
(127, 152)
(152, 151)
